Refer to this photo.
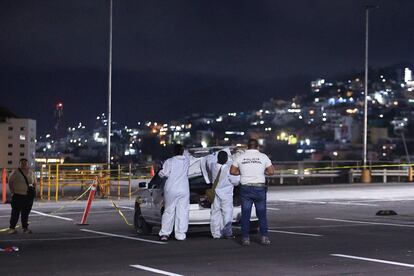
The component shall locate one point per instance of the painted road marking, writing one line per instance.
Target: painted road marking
(372, 260)
(330, 202)
(52, 216)
(147, 268)
(352, 203)
(122, 236)
(125, 207)
(367, 222)
(68, 213)
(294, 233)
(57, 239)
(391, 199)
(274, 209)
(320, 226)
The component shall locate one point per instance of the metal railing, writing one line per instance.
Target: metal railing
(56, 180)
(347, 171)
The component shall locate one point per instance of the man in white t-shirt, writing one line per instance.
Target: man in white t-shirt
(252, 166)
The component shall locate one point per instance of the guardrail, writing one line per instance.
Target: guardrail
(383, 173)
(352, 175)
(341, 172)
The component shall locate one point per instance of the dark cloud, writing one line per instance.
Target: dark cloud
(190, 52)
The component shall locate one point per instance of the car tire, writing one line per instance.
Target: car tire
(141, 226)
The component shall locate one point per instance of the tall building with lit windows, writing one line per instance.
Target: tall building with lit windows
(17, 140)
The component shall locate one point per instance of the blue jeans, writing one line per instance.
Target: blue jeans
(250, 195)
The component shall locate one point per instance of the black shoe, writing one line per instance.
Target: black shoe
(27, 231)
(164, 238)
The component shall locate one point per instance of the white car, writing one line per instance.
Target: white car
(149, 204)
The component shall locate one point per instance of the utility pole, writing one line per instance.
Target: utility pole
(108, 160)
(366, 174)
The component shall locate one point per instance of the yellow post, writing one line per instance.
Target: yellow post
(366, 175)
(119, 181)
(129, 181)
(41, 182)
(48, 183)
(109, 180)
(57, 183)
(410, 174)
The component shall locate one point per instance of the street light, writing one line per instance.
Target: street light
(366, 176)
(109, 88)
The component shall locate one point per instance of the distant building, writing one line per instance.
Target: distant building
(377, 134)
(408, 75)
(317, 85)
(204, 137)
(17, 140)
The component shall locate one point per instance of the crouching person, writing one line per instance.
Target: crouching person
(176, 195)
(222, 207)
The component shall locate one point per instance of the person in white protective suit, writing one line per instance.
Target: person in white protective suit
(207, 162)
(222, 207)
(176, 195)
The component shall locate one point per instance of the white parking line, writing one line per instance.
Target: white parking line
(372, 260)
(320, 226)
(126, 207)
(294, 233)
(122, 236)
(52, 216)
(147, 268)
(389, 199)
(274, 209)
(331, 202)
(69, 213)
(352, 203)
(57, 239)
(367, 222)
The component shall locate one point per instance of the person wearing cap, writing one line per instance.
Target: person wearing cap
(222, 207)
(22, 185)
(176, 195)
(252, 166)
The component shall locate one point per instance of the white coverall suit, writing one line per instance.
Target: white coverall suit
(207, 162)
(222, 207)
(176, 197)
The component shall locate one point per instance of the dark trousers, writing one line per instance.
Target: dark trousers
(249, 196)
(21, 204)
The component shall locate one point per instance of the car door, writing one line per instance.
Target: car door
(154, 204)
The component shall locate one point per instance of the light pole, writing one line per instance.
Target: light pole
(109, 88)
(366, 176)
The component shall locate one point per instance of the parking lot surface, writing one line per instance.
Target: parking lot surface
(315, 230)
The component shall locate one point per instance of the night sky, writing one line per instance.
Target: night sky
(172, 58)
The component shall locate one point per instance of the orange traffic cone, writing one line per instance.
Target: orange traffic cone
(89, 203)
(3, 186)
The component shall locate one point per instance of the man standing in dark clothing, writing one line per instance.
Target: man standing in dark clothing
(22, 185)
(252, 166)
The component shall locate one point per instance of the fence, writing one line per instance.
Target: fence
(56, 180)
(347, 171)
(65, 180)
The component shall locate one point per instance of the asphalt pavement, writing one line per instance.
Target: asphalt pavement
(315, 230)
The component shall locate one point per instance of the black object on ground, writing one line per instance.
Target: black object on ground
(386, 213)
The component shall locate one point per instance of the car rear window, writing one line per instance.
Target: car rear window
(197, 184)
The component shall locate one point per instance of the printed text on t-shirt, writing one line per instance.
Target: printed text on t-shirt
(251, 161)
